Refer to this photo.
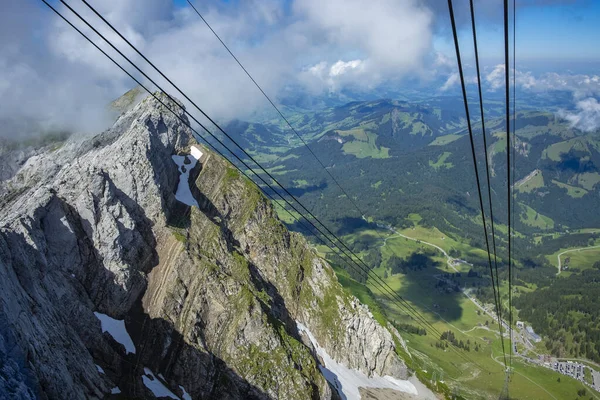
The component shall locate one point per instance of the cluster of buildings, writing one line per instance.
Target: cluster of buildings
(530, 332)
(572, 369)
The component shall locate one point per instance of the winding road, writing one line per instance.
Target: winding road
(572, 250)
(518, 336)
(398, 234)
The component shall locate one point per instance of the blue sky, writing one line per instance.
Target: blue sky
(551, 35)
(562, 32)
(559, 32)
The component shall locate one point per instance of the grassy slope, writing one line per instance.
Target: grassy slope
(588, 179)
(572, 191)
(532, 218)
(583, 259)
(471, 378)
(364, 145)
(443, 140)
(535, 182)
(419, 289)
(441, 161)
(554, 151)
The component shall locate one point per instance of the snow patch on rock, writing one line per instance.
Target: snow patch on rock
(186, 395)
(184, 194)
(348, 381)
(156, 386)
(116, 329)
(196, 153)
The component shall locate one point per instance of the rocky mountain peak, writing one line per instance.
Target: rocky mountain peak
(110, 285)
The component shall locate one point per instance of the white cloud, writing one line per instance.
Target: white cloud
(441, 60)
(587, 116)
(337, 75)
(580, 85)
(496, 79)
(452, 80)
(390, 37)
(392, 33)
(49, 72)
(341, 67)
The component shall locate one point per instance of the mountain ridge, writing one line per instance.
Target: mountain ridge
(210, 296)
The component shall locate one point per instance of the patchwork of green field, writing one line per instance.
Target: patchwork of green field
(443, 140)
(572, 191)
(300, 182)
(500, 145)
(441, 161)
(358, 134)
(535, 182)
(284, 215)
(288, 157)
(419, 128)
(270, 155)
(279, 170)
(554, 151)
(448, 243)
(553, 127)
(410, 120)
(481, 375)
(531, 217)
(349, 121)
(498, 227)
(415, 218)
(362, 144)
(575, 260)
(588, 180)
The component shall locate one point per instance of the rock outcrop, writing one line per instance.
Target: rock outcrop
(210, 295)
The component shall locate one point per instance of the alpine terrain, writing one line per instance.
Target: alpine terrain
(137, 263)
(300, 199)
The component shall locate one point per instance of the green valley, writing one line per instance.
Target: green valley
(414, 219)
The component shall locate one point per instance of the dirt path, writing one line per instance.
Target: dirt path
(516, 334)
(449, 260)
(572, 250)
(398, 234)
(523, 181)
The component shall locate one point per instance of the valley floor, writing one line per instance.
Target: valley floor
(479, 372)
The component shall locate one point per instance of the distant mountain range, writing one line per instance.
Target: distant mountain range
(396, 158)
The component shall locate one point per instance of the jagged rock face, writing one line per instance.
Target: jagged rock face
(210, 295)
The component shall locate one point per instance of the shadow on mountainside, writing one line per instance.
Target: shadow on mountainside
(162, 349)
(58, 280)
(425, 286)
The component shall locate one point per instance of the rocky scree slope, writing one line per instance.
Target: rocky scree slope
(210, 296)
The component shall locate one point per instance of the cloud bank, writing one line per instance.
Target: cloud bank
(51, 74)
(581, 85)
(586, 117)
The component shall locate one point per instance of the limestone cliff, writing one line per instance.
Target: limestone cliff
(211, 296)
